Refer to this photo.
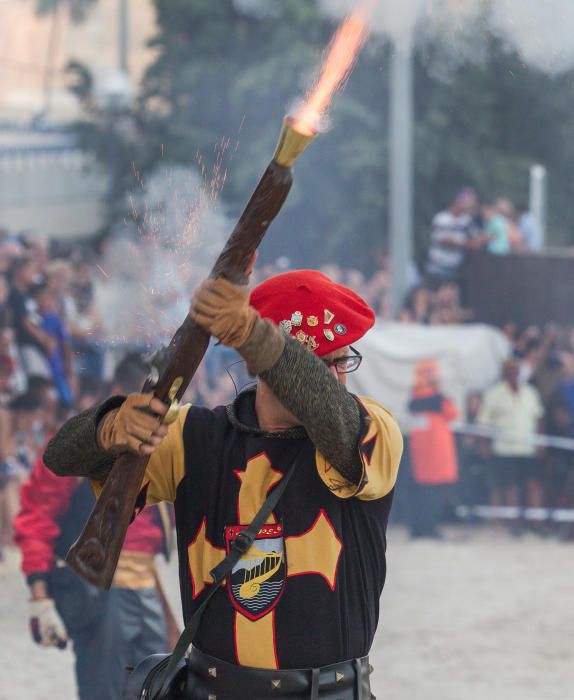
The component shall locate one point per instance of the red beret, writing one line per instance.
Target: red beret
(320, 314)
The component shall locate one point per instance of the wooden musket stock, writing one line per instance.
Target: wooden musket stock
(95, 553)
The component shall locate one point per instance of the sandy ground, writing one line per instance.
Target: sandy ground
(481, 616)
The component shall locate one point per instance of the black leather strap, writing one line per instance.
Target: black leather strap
(239, 547)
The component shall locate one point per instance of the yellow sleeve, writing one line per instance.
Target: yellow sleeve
(165, 468)
(380, 449)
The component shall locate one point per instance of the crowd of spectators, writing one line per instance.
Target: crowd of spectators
(67, 314)
(466, 226)
(47, 323)
(535, 394)
(513, 448)
(535, 399)
(471, 224)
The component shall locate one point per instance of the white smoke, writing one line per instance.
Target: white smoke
(540, 30)
(153, 261)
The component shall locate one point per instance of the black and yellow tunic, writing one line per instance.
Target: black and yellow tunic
(307, 593)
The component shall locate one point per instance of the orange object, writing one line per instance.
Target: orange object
(426, 378)
(340, 58)
(433, 450)
(432, 446)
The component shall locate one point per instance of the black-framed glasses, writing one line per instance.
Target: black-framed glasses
(347, 363)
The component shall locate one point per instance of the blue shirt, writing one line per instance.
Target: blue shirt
(52, 324)
(497, 228)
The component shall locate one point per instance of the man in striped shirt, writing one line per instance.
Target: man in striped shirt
(453, 235)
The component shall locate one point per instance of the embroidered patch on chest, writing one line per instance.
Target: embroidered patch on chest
(258, 579)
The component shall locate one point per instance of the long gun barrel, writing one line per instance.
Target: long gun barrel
(95, 553)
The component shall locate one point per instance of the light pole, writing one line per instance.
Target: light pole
(401, 168)
(123, 37)
(537, 204)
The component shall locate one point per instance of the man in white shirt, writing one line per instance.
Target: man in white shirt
(516, 410)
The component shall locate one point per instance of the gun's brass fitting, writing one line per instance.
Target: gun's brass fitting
(291, 143)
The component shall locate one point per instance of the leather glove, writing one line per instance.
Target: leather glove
(134, 427)
(46, 625)
(223, 310)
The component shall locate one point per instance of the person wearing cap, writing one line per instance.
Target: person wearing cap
(298, 613)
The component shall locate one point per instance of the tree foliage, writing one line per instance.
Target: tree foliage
(224, 71)
(237, 75)
(485, 127)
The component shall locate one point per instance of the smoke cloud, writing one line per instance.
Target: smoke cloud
(541, 31)
(154, 261)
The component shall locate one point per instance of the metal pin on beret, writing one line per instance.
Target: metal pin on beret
(316, 298)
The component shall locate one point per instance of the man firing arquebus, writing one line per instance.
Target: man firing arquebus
(298, 614)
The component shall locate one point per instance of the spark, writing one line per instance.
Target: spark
(137, 175)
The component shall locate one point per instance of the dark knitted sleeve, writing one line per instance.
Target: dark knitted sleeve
(325, 408)
(74, 449)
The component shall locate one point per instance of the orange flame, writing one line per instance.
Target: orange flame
(340, 58)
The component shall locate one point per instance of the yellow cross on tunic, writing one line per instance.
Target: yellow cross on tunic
(316, 551)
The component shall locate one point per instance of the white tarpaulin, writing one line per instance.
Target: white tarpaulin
(469, 359)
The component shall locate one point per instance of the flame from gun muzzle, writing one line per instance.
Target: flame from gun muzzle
(340, 58)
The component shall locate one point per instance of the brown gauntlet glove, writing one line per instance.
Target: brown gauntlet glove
(133, 427)
(222, 308)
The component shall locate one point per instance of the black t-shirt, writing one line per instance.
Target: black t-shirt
(21, 309)
(307, 593)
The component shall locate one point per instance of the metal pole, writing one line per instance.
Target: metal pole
(401, 169)
(123, 36)
(537, 203)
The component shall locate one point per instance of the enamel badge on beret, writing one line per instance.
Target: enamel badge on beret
(297, 318)
(312, 344)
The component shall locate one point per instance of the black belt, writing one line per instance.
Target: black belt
(212, 679)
